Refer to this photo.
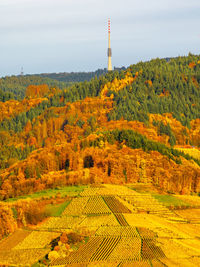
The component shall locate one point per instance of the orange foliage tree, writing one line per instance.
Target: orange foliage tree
(35, 91)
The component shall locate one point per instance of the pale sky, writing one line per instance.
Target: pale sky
(71, 35)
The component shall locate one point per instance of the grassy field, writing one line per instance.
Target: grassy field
(169, 200)
(56, 210)
(63, 192)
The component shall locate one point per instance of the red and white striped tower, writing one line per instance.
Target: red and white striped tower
(109, 48)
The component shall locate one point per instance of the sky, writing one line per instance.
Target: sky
(47, 36)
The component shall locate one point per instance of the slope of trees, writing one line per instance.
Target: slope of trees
(74, 117)
(10, 154)
(14, 87)
(157, 86)
(5, 96)
(161, 87)
(76, 76)
(77, 91)
(135, 140)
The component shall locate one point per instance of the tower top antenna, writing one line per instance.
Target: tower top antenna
(109, 48)
(109, 25)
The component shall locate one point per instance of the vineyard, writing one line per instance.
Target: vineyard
(96, 205)
(90, 191)
(13, 240)
(37, 239)
(147, 203)
(122, 231)
(115, 205)
(97, 221)
(119, 227)
(105, 249)
(127, 249)
(59, 223)
(76, 206)
(122, 221)
(117, 190)
(83, 254)
(22, 257)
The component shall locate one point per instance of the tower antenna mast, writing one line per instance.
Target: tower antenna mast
(109, 48)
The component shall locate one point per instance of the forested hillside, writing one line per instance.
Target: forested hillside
(160, 87)
(14, 87)
(125, 126)
(77, 76)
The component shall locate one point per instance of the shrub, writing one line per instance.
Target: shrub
(74, 238)
(33, 215)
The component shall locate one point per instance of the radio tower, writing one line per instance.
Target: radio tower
(22, 71)
(109, 48)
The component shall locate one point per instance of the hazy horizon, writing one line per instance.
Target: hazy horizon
(71, 36)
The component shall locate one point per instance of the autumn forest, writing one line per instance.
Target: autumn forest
(138, 125)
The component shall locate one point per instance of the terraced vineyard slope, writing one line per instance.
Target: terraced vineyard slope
(120, 226)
